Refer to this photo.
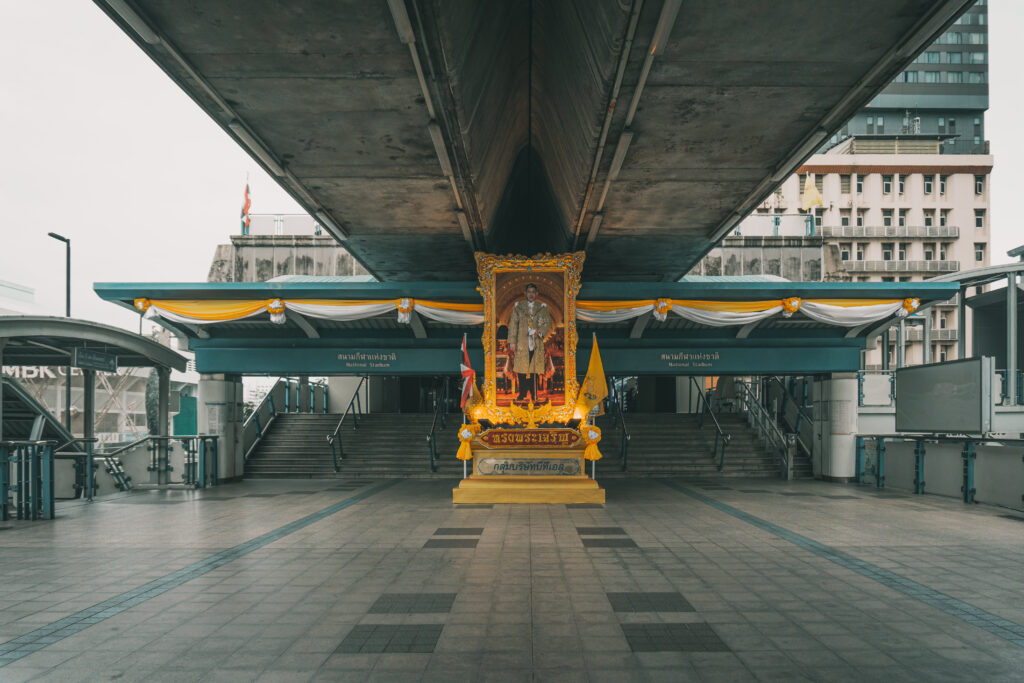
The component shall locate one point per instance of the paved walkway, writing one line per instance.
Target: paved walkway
(670, 580)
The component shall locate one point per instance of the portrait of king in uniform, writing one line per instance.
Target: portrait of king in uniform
(528, 327)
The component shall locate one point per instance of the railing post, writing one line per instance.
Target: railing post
(969, 457)
(880, 452)
(46, 482)
(919, 467)
(270, 403)
(625, 451)
(860, 387)
(201, 461)
(858, 461)
(215, 460)
(721, 458)
(433, 453)
(5, 484)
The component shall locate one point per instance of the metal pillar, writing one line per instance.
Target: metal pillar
(901, 343)
(89, 428)
(969, 456)
(926, 338)
(961, 324)
(919, 467)
(163, 424)
(885, 349)
(880, 452)
(1011, 340)
(302, 401)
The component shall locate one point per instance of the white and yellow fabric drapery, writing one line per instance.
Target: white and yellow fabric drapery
(205, 312)
(842, 312)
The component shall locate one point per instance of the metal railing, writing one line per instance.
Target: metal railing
(200, 462)
(792, 403)
(720, 436)
(440, 417)
(355, 407)
(32, 483)
(870, 380)
(908, 231)
(1001, 374)
(767, 428)
(916, 333)
(257, 424)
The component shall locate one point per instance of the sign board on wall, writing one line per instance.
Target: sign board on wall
(956, 397)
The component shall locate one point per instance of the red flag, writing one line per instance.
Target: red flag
(468, 374)
(246, 205)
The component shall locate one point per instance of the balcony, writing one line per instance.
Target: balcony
(916, 333)
(894, 231)
(901, 266)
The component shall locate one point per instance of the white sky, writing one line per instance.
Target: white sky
(101, 147)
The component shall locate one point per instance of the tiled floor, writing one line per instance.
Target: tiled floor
(301, 581)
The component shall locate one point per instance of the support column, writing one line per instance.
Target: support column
(163, 423)
(901, 344)
(926, 338)
(885, 349)
(839, 459)
(303, 394)
(1011, 340)
(220, 414)
(961, 324)
(89, 428)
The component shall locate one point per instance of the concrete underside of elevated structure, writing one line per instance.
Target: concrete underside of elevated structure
(641, 131)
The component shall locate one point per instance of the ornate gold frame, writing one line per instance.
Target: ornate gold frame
(488, 266)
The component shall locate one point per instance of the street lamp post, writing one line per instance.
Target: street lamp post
(67, 313)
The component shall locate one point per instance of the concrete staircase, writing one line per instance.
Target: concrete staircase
(395, 445)
(668, 444)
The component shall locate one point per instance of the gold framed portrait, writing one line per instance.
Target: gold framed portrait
(529, 336)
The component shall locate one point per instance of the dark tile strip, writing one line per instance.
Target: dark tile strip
(600, 531)
(987, 621)
(33, 641)
(451, 543)
(608, 543)
(459, 531)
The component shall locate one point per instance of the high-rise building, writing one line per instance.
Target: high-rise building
(943, 93)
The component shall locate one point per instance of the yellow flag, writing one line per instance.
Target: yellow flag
(595, 386)
(811, 195)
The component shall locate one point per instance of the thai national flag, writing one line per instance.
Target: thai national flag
(246, 205)
(468, 374)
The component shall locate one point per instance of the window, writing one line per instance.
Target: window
(844, 183)
(979, 218)
(818, 213)
(977, 125)
(942, 322)
(952, 126)
(887, 184)
(977, 57)
(900, 182)
(977, 38)
(976, 77)
(844, 251)
(942, 184)
(887, 217)
(862, 248)
(929, 181)
(979, 184)
(931, 76)
(930, 58)
(955, 57)
(953, 38)
(887, 251)
(863, 278)
(929, 251)
(819, 182)
(904, 278)
(942, 356)
(979, 251)
(871, 124)
(929, 218)
(861, 213)
(944, 218)
(860, 184)
(910, 77)
(903, 218)
(954, 77)
(942, 124)
(902, 252)
(943, 250)
(844, 217)
(888, 278)
(880, 123)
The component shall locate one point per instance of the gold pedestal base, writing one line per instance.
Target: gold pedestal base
(530, 489)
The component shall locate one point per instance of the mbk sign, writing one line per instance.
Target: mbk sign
(38, 371)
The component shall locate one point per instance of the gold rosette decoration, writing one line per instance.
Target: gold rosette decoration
(909, 306)
(591, 435)
(790, 306)
(467, 433)
(276, 310)
(142, 305)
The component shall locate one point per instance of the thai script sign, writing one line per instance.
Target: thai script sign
(530, 438)
(518, 467)
(367, 360)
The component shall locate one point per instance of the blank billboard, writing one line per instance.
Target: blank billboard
(946, 398)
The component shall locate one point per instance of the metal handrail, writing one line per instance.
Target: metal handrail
(355, 406)
(261, 429)
(624, 446)
(720, 436)
(801, 415)
(766, 425)
(440, 414)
